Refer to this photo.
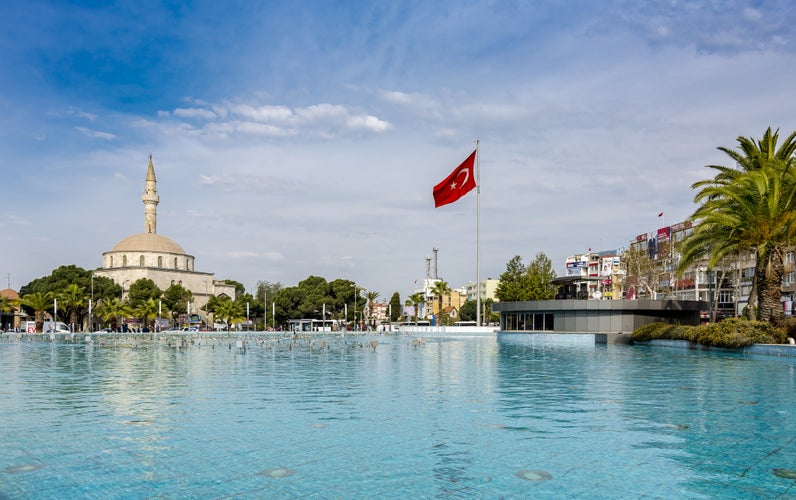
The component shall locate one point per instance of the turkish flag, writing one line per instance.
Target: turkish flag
(457, 184)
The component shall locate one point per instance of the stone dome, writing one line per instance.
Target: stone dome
(148, 242)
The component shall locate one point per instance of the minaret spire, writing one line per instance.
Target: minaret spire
(151, 200)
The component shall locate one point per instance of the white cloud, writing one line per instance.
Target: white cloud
(74, 112)
(95, 134)
(14, 220)
(752, 14)
(318, 120)
(262, 129)
(194, 113)
(248, 254)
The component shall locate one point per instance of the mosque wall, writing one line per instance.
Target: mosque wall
(172, 261)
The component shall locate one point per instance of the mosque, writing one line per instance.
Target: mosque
(156, 257)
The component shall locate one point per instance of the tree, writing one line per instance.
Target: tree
(371, 297)
(113, 311)
(74, 301)
(266, 291)
(395, 307)
(104, 288)
(438, 291)
(245, 300)
(531, 282)
(239, 288)
(415, 301)
(176, 299)
(147, 310)
(228, 312)
(540, 278)
(468, 310)
(513, 284)
(750, 207)
(6, 305)
(38, 302)
(641, 271)
(142, 290)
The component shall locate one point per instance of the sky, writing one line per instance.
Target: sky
(294, 138)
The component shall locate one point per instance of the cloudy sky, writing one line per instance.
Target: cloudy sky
(304, 138)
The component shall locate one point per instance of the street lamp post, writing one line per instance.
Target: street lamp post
(355, 307)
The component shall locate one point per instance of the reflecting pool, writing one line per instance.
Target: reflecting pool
(392, 416)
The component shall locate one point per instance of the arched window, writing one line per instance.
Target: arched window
(160, 261)
(111, 261)
(124, 261)
(141, 261)
(175, 262)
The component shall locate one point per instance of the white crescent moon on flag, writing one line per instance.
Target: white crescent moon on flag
(466, 173)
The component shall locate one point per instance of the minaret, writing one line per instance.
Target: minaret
(150, 199)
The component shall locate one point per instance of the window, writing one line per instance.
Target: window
(111, 261)
(160, 261)
(124, 261)
(538, 322)
(141, 261)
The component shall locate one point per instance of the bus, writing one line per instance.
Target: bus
(313, 325)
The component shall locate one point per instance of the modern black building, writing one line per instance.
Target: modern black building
(616, 319)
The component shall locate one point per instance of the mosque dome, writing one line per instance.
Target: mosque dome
(148, 242)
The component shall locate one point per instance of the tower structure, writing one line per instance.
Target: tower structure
(151, 200)
(156, 257)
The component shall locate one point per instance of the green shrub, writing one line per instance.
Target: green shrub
(732, 332)
(788, 326)
(648, 332)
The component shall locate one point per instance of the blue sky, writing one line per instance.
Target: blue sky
(304, 138)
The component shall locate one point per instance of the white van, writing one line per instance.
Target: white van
(56, 327)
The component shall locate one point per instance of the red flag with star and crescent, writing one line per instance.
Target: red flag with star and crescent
(457, 184)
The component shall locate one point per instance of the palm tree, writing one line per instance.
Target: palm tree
(415, 300)
(750, 208)
(147, 310)
(371, 298)
(6, 305)
(74, 299)
(228, 312)
(39, 302)
(439, 290)
(113, 310)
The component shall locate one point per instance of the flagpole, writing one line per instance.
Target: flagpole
(478, 232)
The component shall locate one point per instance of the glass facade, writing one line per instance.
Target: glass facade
(525, 322)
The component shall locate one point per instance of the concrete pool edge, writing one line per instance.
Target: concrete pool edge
(764, 349)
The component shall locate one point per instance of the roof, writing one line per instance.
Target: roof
(148, 242)
(8, 293)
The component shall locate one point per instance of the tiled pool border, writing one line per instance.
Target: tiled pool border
(765, 349)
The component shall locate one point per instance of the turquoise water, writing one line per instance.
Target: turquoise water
(449, 418)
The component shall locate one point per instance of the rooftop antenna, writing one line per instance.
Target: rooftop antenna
(435, 250)
(428, 267)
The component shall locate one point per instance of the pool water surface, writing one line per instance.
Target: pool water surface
(393, 416)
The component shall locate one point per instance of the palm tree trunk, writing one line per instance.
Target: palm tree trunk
(769, 292)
